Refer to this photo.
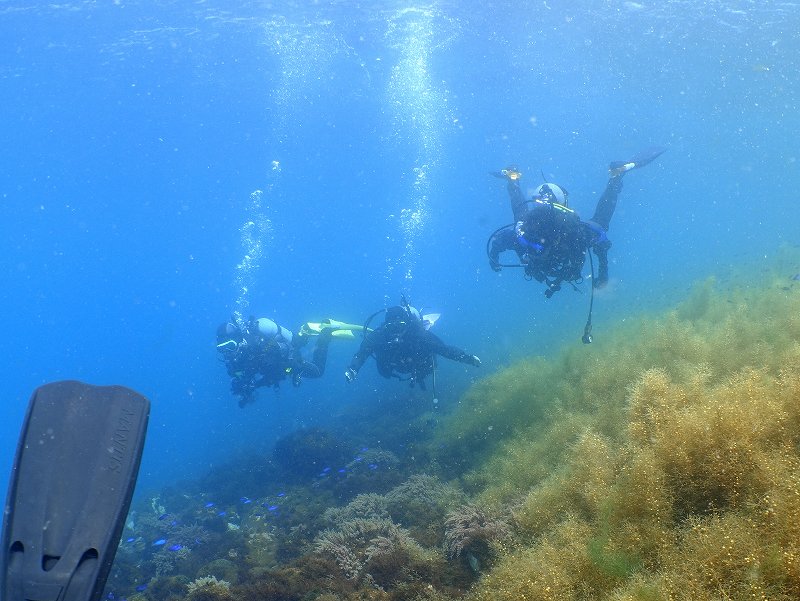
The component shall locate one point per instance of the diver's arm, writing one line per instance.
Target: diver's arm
(505, 239)
(435, 345)
(367, 348)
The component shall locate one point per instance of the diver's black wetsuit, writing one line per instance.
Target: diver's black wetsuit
(261, 361)
(407, 351)
(551, 240)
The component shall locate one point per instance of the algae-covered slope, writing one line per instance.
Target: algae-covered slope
(661, 463)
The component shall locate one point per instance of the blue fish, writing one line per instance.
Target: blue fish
(281, 494)
(209, 505)
(141, 587)
(222, 514)
(175, 547)
(364, 449)
(326, 470)
(162, 516)
(111, 596)
(273, 508)
(130, 540)
(245, 500)
(159, 542)
(373, 466)
(342, 470)
(796, 277)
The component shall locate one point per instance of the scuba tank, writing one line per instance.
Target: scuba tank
(269, 329)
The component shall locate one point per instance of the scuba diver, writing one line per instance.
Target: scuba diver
(263, 353)
(404, 347)
(550, 240)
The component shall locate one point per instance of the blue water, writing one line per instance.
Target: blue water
(140, 138)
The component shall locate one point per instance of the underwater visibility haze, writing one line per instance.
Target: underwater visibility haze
(169, 165)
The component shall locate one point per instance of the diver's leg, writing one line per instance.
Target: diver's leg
(316, 368)
(517, 199)
(608, 202)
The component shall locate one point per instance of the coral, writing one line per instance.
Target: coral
(421, 503)
(221, 569)
(376, 551)
(190, 534)
(348, 543)
(310, 577)
(365, 506)
(261, 550)
(208, 588)
(305, 453)
(472, 529)
(372, 470)
(166, 588)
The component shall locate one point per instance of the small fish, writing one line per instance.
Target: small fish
(162, 516)
(281, 494)
(342, 470)
(175, 547)
(209, 505)
(159, 542)
(222, 514)
(130, 540)
(373, 466)
(273, 508)
(795, 277)
(141, 587)
(326, 470)
(245, 500)
(474, 564)
(111, 596)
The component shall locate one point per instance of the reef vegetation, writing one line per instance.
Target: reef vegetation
(660, 463)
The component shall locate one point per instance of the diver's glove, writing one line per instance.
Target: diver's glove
(350, 374)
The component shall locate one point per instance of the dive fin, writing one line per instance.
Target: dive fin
(71, 486)
(429, 319)
(645, 157)
(340, 328)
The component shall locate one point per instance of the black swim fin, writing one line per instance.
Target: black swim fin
(645, 157)
(71, 486)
